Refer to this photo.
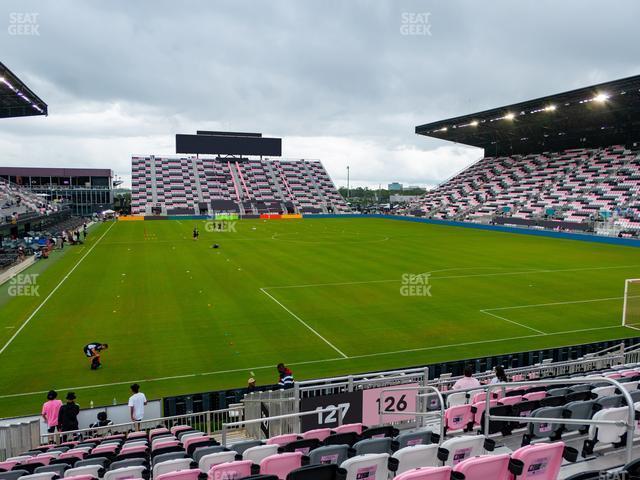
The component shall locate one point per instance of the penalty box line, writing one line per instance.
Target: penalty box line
(310, 362)
(311, 329)
(55, 289)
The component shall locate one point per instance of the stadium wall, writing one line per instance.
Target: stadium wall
(584, 237)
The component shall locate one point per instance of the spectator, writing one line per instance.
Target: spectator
(137, 401)
(68, 415)
(467, 382)
(103, 421)
(285, 377)
(500, 376)
(251, 385)
(50, 411)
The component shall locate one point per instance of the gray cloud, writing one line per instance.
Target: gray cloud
(337, 80)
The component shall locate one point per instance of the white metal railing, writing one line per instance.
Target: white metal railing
(629, 424)
(269, 420)
(420, 391)
(209, 422)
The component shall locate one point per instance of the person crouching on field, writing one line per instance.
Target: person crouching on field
(92, 351)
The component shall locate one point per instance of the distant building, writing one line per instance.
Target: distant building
(86, 190)
(395, 187)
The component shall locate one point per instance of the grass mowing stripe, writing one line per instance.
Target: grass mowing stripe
(26, 322)
(304, 323)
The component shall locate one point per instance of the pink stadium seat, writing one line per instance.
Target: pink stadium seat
(136, 449)
(192, 440)
(80, 477)
(534, 396)
(493, 467)
(73, 454)
(479, 408)
(349, 427)
(541, 461)
(458, 417)
(230, 470)
(8, 464)
(180, 475)
(283, 439)
(112, 448)
(427, 473)
(510, 400)
(319, 433)
(281, 464)
(158, 431)
(167, 444)
(179, 428)
(133, 435)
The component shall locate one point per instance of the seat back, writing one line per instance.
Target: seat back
(456, 398)
(281, 464)
(348, 438)
(208, 461)
(578, 410)
(257, 454)
(13, 474)
(380, 432)
(328, 471)
(494, 467)
(604, 391)
(241, 447)
(611, 401)
(130, 462)
(164, 457)
(57, 469)
(428, 473)
(180, 475)
(419, 437)
(282, 439)
(319, 433)
(372, 466)
(329, 454)
(458, 418)
(534, 396)
(417, 456)
(96, 471)
(463, 447)
(230, 470)
(609, 433)
(541, 461)
(373, 445)
(202, 451)
(171, 466)
(349, 427)
(545, 430)
(304, 446)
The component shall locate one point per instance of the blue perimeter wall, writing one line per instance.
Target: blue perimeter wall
(584, 237)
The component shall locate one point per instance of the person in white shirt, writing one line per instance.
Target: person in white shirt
(467, 382)
(137, 401)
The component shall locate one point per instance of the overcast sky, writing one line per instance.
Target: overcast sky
(342, 81)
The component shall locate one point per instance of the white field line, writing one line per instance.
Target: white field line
(311, 362)
(33, 314)
(524, 272)
(305, 324)
(558, 303)
(512, 321)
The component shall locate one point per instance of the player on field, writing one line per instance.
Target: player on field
(92, 351)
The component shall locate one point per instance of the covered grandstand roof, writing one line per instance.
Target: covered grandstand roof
(595, 116)
(16, 99)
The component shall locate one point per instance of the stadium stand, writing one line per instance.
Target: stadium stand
(455, 445)
(572, 186)
(16, 201)
(190, 185)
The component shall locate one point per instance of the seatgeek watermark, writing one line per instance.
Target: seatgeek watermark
(24, 24)
(223, 226)
(415, 285)
(415, 24)
(24, 285)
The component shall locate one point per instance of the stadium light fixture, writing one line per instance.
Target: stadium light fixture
(509, 116)
(550, 108)
(601, 98)
(474, 123)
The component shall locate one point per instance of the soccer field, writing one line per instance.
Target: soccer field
(325, 296)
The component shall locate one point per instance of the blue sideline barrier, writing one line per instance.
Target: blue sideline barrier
(583, 237)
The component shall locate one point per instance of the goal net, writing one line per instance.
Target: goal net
(631, 307)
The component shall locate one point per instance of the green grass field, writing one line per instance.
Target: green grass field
(324, 296)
